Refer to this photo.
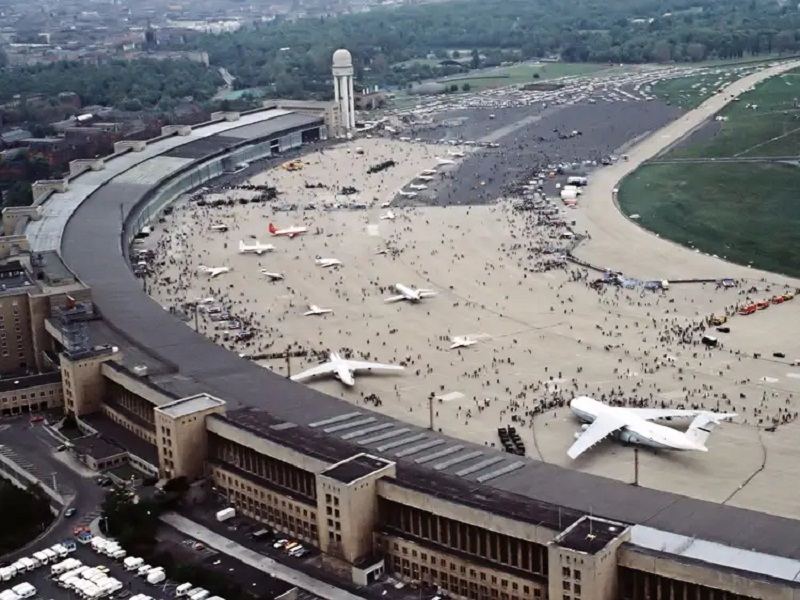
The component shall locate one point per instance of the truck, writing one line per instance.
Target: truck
(225, 514)
(183, 589)
(156, 576)
(132, 563)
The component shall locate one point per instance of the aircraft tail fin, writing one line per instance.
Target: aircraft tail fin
(702, 425)
(241, 245)
(272, 228)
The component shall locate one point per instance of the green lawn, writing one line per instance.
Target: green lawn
(482, 79)
(748, 213)
(752, 131)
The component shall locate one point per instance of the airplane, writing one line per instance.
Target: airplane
(418, 186)
(314, 310)
(462, 341)
(256, 248)
(327, 262)
(289, 232)
(635, 426)
(424, 177)
(407, 194)
(344, 370)
(456, 153)
(389, 216)
(445, 161)
(271, 275)
(219, 227)
(409, 293)
(213, 271)
(428, 172)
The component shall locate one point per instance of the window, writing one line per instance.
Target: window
(565, 585)
(565, 571)
(577, 575)
(577, 588)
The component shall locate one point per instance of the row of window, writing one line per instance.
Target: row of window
(272, 509)
(486, 588)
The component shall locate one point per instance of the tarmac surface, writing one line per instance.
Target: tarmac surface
(544, 335)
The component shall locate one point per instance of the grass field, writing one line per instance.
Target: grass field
(483, 79)
(772, 128)
(747, 213)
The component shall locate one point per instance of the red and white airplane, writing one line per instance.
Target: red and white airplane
(287, 231)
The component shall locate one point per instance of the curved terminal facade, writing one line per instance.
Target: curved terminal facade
(376, 495)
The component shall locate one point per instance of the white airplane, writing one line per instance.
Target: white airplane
(271, 275)
(424, 177)
(289, 232)
(445, 161)
(213, 271)
(256, 248)
(462, 341)
(344, 370)
(456, 153)
(389, 216)
(327, 262)
(429, 172)
(208, 300)
(635, 426)
(219, 227)
(407, 194)
(418, 186)
(314, 310)
(408, 293)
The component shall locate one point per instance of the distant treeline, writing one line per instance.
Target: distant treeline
(129, 85)
(293, 58)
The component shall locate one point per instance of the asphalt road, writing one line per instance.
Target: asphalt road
(33, 449)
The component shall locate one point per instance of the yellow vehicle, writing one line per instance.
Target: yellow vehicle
(716, 321)
(293, 165)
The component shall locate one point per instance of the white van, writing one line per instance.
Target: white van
(183, 589)
(199, 594)
(24, 590)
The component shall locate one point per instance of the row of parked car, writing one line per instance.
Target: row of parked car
(153, 575)
(36, 560)
(26, 564)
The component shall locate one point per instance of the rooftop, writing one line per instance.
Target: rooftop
(97, 447)
(190, 405)
(25, 381)
(590, 534)
(356, 467)
(109, 430)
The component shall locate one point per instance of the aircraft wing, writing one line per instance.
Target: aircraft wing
(323, 369)
(357, 365)
(603, 426)
(651, 414)
(394, 298)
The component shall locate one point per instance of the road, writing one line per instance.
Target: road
(619, 242)
(256, 560)
(33, 449)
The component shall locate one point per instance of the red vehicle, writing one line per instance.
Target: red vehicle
(762, 305)
(778, 299)
(748, 310)
(37, 419)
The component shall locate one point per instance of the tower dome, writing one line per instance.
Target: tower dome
(342, 58)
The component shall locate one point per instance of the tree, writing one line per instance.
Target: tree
(466, 87)
(3, 58)
(475, 61)
(455, 54)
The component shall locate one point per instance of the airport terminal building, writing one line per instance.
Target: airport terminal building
(376, 495)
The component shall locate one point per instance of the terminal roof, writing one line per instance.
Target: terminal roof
(356, 467)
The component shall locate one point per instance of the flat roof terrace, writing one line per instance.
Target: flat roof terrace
(94, 230)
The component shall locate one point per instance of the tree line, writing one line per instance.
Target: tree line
(129, 85)
(292, 58)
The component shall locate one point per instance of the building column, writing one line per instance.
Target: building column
(351, 106)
